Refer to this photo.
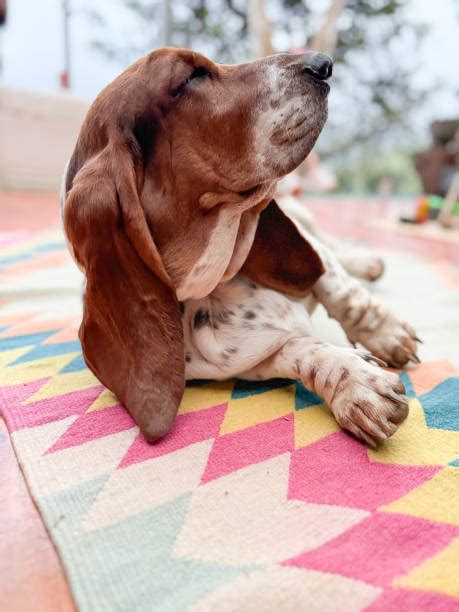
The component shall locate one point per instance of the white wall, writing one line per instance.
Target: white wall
(37, 134)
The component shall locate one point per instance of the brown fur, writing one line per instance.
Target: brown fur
(280, 258)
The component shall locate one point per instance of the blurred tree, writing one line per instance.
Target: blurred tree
(365, 173)
(259, 29)
(375, 50)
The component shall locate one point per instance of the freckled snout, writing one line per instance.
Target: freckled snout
(319, 65)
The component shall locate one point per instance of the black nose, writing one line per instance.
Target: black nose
(319, 66)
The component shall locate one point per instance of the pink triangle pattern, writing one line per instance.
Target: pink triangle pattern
(9, 238)
(236, 450)
(52, 409)
(379, 548)
(337, 470)
(94, 425)
(395, 600)
(21, 268)
(188, 429)
(69, 333)
(21, 392)
(34, 325)
(7, 320)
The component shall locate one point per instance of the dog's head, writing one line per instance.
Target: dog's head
(163, 147)
(239, 125)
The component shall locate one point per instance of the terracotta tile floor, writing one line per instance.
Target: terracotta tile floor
(31, 577)
(32, 212)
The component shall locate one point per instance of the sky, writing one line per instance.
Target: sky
(32, 48)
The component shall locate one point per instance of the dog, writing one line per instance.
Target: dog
(192, 269)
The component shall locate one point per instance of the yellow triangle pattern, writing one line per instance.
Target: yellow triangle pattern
(260, 408)
(205, 396)
(416, 444)
(38, 368)
(7, 357)
(105, 400)
(312, 424)
(440, 573)
(436, 500)
(65, 383)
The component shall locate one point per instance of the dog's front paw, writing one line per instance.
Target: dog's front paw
(369, 402)
(393, 341)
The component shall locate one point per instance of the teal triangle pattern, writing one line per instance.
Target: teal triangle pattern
(129, 565)
(409, 389)
(13, 342)
(245, 388)
(303, 397)
(441, 405)
(49, 350)
(76, 365)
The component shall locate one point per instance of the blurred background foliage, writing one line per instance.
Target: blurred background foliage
(366, 173)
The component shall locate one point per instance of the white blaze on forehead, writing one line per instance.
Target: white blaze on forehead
(273, 74)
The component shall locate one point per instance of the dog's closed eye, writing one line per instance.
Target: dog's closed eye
(198, 74)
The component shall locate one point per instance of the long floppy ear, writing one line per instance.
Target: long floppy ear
(131, 331)
(280, 257)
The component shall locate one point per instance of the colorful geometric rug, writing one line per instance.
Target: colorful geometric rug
(255, 501)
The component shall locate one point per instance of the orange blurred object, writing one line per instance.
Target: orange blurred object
(422, 209)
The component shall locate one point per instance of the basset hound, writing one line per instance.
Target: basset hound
(192, 269)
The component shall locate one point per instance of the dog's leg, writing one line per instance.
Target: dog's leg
(362, 317)
(359, 263)
(365, 399)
